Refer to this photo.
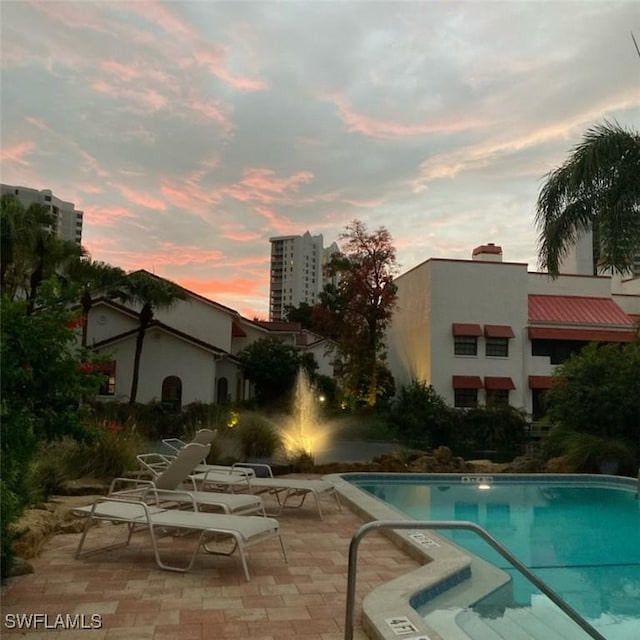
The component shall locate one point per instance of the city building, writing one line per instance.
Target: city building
(297, 272)
(484, 331)
(68, 218)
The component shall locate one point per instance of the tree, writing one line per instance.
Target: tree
(596, 189)
(151, 293)
(31, 251)
(44, 376)
(356, 311)
(597, 391)
(88, 276)
(302, 314)
(272, 366)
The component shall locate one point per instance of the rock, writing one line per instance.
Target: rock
(558, 465)
(486, 466)
(524, 464)
(20, 567)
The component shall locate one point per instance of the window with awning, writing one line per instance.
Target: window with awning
(498, 331)
(499, 383)
(466, 382)
(466, 330)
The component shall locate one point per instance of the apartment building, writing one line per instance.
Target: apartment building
(485, 331)
(297, 271)
(68, 218)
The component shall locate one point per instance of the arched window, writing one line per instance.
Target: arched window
(172, 391)
(223, 390)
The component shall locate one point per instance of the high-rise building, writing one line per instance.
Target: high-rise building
(68, 218)
(297, 271)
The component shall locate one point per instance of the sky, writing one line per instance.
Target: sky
(190, 133)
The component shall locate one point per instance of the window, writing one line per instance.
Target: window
(465, 398)
(172, 392)
(497, 397)
(497, 347)
(47, 198)
(465, 346)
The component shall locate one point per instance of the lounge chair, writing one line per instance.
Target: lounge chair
(202, 436)
(245, 531)
(283, 489)
(167, 479)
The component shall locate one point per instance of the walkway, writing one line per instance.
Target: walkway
(302, 600)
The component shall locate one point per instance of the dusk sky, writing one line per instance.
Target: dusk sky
(191, 132)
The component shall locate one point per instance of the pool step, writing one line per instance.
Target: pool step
(519, 623)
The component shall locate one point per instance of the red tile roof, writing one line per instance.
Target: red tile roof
(576, 310)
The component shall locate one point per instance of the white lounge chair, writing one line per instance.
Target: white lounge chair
(203, 436)
(168, 477)
(283, 489)
(245, 531)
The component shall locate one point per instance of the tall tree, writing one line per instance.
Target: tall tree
(88, 277)
(31, 251)
(356, 311)
(150, 293)
(596, 189)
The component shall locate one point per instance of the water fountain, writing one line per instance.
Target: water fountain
(303, 432)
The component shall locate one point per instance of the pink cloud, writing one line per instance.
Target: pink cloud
(146, 98)
(389, 129)
(18, 152)
(98, 216)
(215, 60)
(143, 199)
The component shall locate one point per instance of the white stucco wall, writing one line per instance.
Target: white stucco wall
(106, 322)
(164, 355)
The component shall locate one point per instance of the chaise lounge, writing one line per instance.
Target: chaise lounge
(244, 531)
(166, 486)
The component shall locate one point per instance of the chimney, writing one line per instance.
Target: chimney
(487, 253)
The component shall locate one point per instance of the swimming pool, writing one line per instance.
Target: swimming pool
(580, 534)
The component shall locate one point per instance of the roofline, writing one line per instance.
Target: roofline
(156, 324)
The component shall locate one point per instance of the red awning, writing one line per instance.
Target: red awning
(466, 330)
(467, 382)
(583, 335)
(498, 383)
(576, 310)
(498, 331)
(540, 382)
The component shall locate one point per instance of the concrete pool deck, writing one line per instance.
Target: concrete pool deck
(304, 599)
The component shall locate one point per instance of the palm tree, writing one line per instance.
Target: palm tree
(31, 251)
(91, 276)
(596, 189)
(151, 293)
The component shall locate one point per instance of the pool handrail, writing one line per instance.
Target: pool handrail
(448, 524)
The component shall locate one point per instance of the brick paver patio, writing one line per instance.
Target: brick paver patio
(304, 599)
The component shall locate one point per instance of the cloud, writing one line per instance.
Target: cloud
(143, 199)
(18, 152)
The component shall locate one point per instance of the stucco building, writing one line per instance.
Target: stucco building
(484, 331)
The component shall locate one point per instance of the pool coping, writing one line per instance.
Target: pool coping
(448, 573)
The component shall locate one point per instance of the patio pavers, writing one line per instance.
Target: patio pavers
(304, 599)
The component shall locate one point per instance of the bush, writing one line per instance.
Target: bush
(258, 437)
(107, 453)
(420, 417)
(499, 429)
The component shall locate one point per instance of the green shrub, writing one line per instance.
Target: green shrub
(106, 453)
(420, 417)
(258, 437)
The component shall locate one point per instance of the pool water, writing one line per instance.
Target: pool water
(582, 539)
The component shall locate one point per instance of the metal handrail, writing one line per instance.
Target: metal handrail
(446, 524)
